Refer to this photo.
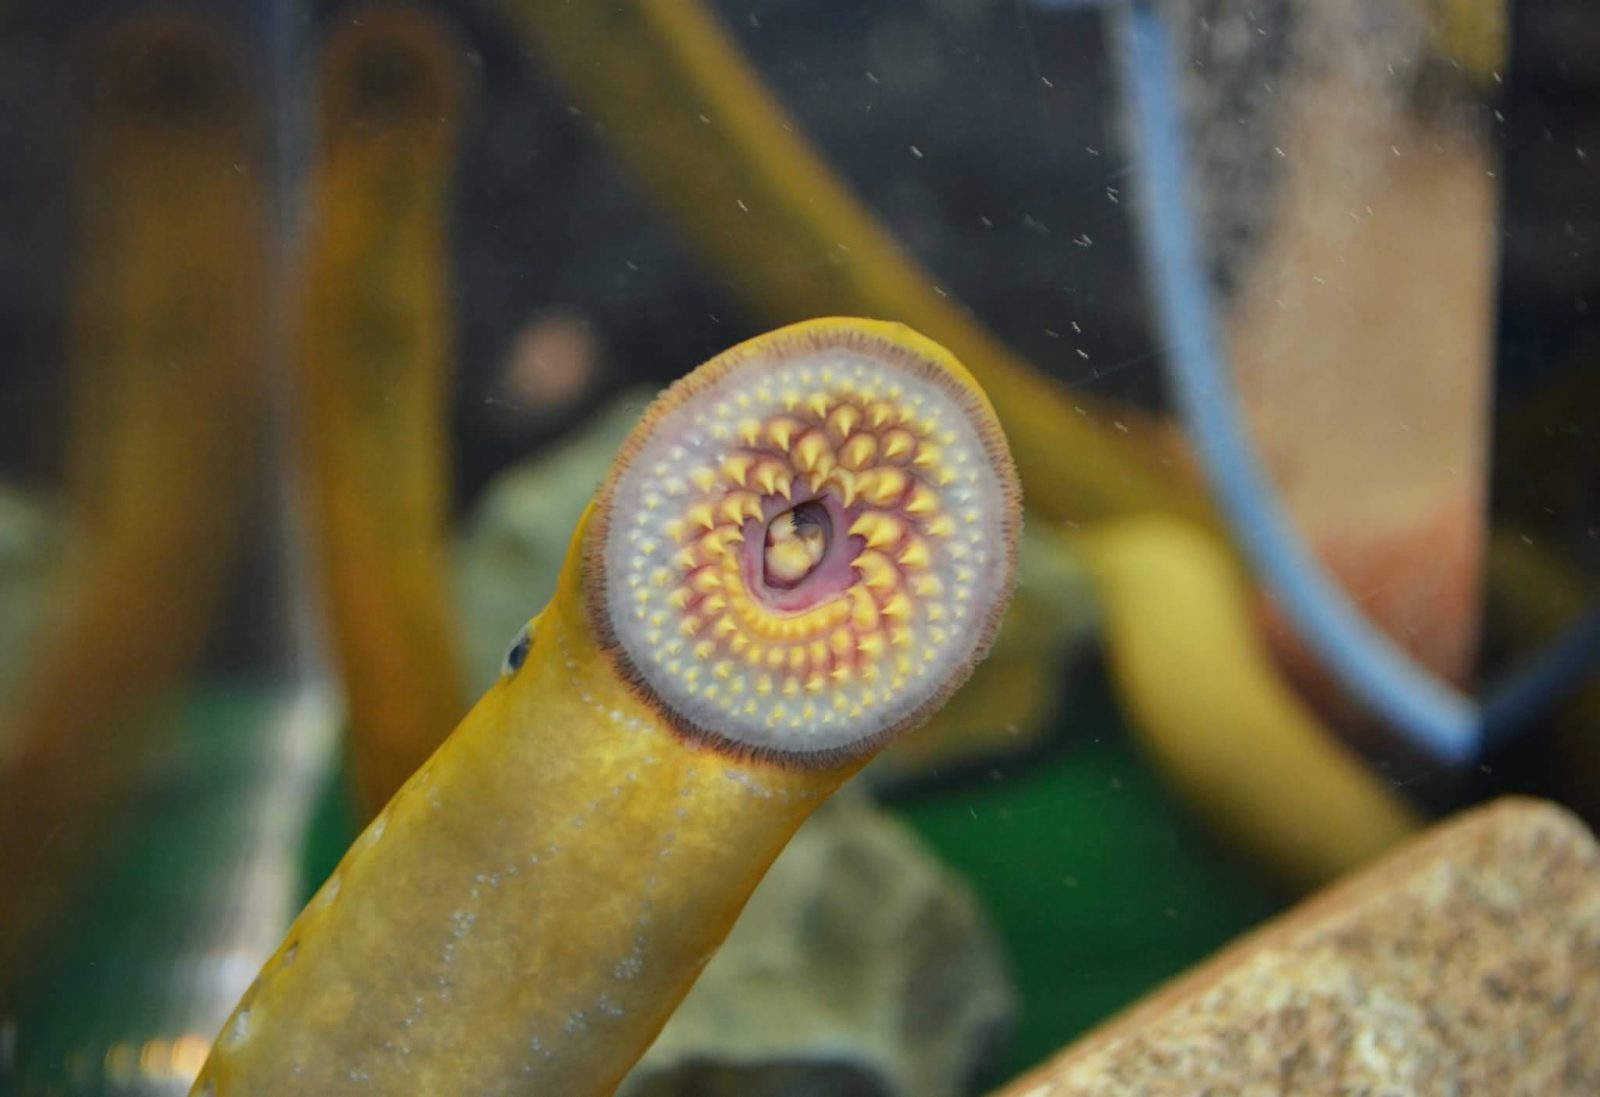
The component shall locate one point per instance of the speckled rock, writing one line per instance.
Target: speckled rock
(1468, 962)
(860, 968)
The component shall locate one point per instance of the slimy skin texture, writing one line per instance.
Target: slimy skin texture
(373, 382)
(532, 905)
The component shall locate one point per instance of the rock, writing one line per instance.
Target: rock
(860, 967)
(1468, 961)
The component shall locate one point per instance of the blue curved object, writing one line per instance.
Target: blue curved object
(1435, 717)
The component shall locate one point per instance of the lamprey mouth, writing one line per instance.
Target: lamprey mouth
(808, 540)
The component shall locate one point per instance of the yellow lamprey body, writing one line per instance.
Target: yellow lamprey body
(374, 370)
(532, 905)
(1212, 711)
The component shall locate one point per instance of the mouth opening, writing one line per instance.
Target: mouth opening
(802, 556)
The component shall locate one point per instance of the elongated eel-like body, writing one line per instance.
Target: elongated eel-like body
(373, 379)
(165, 364)
(801, 551)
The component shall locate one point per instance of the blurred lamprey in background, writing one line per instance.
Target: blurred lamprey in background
(166, 352)
(374, 371)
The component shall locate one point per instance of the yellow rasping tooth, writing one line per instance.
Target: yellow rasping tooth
(859, 450)
(809, 449)
(897, 444)
(737, 467)
(883, 487)
(878, 529)
(782, 431)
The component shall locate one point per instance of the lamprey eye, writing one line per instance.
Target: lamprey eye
(807, 542)
(517, 653)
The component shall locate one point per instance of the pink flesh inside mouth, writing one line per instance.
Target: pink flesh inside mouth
(832, 574)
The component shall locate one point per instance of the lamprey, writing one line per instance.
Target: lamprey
(801, 551)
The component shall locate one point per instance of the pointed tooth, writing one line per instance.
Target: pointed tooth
(767, 475)
(864, 612)
(876, 570)
(782, 431)
(843, 420)
(844, 483)
(898, 606)
(922, 501)
(878, 529)
(710, 545)
(860, 449)
(740, 505)
(882, 486)
(915, 554)
(898, 444)
(808, 451)
(737, 468)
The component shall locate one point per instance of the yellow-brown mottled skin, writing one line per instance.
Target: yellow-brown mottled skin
(373, 378)
(164, 362)
(532, 905)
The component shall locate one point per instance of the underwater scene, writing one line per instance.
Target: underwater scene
(761, 548)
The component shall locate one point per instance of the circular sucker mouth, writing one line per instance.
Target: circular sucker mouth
(807, 542)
